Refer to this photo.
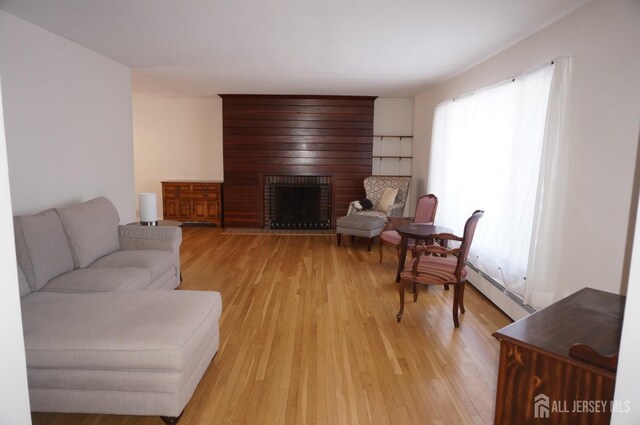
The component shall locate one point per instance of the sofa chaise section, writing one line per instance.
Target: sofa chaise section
(137, 353)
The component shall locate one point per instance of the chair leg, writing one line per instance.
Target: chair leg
(370, 242)
(462, 287)
(401, 292)
(416, 290)
(339, 237)
(456, 301)
(446, 287)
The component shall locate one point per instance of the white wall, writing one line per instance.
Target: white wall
(393, 117)
(67, 116)
(176, 138)
(14, 396)
(602, 132)
(628, 367)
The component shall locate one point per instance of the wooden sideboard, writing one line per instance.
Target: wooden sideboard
(192, 201)
(544, 377)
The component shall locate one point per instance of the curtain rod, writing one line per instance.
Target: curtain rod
(506, 81)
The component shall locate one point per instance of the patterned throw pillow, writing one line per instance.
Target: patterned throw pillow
(388, 199)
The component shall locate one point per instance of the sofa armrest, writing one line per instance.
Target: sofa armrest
(149, 237)
(163, 238)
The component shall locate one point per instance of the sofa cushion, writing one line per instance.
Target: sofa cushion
(169, 280)
(360, 222)
(156, 261)
(138, 381)
(25, 289)
(42, 249)
(92, 229)
(117, 330)
(101, 280)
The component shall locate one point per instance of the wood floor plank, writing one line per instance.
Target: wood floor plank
(308, 336)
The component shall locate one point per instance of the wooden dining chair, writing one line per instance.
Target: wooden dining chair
(448, 267)
(425, 213)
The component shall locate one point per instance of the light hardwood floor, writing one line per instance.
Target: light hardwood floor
(309, 336)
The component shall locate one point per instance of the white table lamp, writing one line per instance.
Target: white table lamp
(148, 209)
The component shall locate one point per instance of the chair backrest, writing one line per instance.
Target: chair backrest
(467, 238)
(374, 187)
(426, 209)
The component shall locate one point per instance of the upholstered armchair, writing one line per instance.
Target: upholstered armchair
(375, 187)
(437, 265)
(426, 208)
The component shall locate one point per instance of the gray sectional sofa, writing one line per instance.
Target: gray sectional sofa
(103, 330)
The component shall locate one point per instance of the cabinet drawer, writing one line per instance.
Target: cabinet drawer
(214, 196)
(211, 187)
(176, 187)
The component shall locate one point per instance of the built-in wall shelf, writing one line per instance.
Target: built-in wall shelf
(392, 154)
(381, 137)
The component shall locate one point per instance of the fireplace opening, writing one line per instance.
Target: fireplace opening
(297, 202)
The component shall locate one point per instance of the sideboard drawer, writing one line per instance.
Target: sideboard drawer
(206, 188)
(176, 187)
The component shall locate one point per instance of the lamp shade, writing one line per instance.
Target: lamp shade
(148, 208)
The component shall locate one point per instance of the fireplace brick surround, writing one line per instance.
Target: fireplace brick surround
(282, 135)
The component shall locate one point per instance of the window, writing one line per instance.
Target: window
(486, 154)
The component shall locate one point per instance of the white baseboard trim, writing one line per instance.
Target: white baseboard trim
(496, 295)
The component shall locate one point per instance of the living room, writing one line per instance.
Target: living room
(77, 128)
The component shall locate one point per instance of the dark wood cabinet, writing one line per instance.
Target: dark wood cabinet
(548, 375)
(197, 201)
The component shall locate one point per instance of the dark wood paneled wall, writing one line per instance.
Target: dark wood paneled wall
(293, 135)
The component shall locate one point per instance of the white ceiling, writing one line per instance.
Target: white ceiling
(340, 47)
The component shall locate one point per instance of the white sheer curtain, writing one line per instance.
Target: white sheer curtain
(540, 290)
(486, 154)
